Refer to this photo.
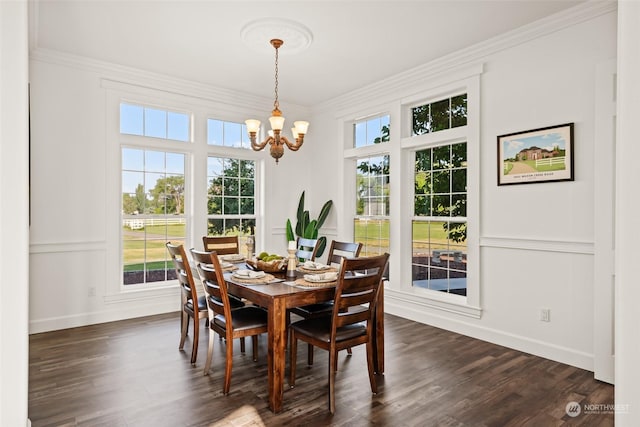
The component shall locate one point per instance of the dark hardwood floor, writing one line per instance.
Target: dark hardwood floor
(130, 373)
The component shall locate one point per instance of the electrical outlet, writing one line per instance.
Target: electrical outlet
(92, 291)
(545, 315)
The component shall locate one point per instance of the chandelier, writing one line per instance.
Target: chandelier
(276, 140)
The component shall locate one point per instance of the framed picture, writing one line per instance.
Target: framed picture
(538, 155)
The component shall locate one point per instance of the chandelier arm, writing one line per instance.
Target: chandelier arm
(292, 146)
(259, 146)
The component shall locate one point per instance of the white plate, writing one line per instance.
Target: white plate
(232, 257)
(248, 274)
(314, 266)
(319, 279)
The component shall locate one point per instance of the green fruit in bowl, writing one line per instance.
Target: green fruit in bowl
(263, 255)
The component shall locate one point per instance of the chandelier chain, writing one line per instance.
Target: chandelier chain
(276, 104)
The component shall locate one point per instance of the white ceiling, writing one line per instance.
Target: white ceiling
(355, 43)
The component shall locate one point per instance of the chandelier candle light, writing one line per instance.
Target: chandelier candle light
(275, 139)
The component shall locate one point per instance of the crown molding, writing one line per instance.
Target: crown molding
(394, 86)
(108, 71)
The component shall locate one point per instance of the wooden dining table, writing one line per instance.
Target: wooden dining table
(277, 298)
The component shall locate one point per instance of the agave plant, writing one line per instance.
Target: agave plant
(308, 228)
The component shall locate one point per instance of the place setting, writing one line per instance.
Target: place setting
(252, 277)
(317, 280)
(313, 267)
(232, 258)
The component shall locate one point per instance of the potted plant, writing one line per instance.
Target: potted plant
(308, 228)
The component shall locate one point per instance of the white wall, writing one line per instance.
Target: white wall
(14, 214)
(536, 241)
(627, 349)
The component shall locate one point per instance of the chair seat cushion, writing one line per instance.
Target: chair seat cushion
(202, 304)
(244, 318)
(320, 328)
(314, 309)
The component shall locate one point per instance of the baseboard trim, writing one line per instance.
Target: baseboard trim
(517, 342)
(84, 319)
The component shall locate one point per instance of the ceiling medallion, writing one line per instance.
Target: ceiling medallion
(257, 35)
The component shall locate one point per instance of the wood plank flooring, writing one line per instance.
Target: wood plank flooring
(131, 373)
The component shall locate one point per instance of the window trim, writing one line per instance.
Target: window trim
(399, 148)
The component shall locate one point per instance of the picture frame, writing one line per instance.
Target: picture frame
(537, 155)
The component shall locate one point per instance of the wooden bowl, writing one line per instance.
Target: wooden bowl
(274, 266)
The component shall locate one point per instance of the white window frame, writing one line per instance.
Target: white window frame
(197, 150)
(469, 306)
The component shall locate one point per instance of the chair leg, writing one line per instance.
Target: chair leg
(228, 365)
(254, 344)
(309, 354)
(349, 352)
(242, 345)
(333, 357)
(196, 336)
(207, 364)
(183, 329)
(372, 378)
(293, 348)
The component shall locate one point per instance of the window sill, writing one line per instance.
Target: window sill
(157, 292)
(434, 300)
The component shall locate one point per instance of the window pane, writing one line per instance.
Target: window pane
(445, 114)
(374, 235)
(459, 180)
(441, 157)
(360, 136)
(175, 163)
(232, 134)
(372, 131)
(154, 161)
(155, 123)
(439, 247)
(131, 119)
(178, 126)
(459, 110)
(231, 192)
(246, 187)
(152, 193)
(229, 134)
(214, 132)
(132, 159)
(441, 181)
(246, 206)
(421, 120)
(214, 206)
(215, 227)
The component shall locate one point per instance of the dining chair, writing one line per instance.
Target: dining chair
(337, 251)
(223, 245)
(192, 306)
(351, 321)
(237, 323)
(306, 249)
(204, 257)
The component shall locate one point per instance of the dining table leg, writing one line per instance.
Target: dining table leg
(276, 359)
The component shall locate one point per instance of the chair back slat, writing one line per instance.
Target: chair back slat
(306, 248)
(339, 250)
(222, 245)
(357, 289)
